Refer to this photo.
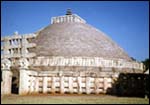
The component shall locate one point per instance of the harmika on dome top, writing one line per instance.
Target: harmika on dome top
(71, 36)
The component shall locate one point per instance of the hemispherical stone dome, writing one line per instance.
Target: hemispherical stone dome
(76, 39)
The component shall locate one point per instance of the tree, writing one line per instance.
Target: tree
(133, 58)
(146, 64)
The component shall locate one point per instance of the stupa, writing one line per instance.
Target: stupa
(67, 56)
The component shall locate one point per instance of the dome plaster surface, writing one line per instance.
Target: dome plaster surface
(76, 39)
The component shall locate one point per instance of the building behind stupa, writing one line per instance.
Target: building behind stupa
(67, 56)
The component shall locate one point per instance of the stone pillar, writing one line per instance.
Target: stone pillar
(24, 77)
(105, 84)
(24, 46)
(7, 81)
(87, 85)
(6, 77)
(36, 84)
(62, 84)
(11, 51)
(18, 50)
(53, 85)
(45, 84)
(6, 47)
(71, 18)
(79, 85)
(23, 82)
(97, 85)
(31, 89)
(70, 85)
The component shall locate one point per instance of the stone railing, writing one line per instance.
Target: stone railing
(67, 18)
(84, 61)
(36, 82)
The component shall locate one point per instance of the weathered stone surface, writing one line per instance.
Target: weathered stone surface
(5, 64)
(6, 82)
(23, 63)
(23, 82)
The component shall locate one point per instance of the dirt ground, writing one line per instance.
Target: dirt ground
(71, 99)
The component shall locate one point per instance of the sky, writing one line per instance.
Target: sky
(125, 22)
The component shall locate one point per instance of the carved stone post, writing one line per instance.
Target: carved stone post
(24, 77)
(96, 85)
(105, 84)
(37, 85)
(62, 84)
(6, 47)
(31, 84)
(45, 84)
(24, 46)
(87, 85)
(53, 84)
(6, 77)
(79, 85)
(70, 84)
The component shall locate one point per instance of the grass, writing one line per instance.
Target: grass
(71, 99)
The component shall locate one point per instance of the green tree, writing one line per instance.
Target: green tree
(146, 63)
(133, 58)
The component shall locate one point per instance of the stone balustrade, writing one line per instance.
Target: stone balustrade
(67, 18)
(84, 61)
(40, 83)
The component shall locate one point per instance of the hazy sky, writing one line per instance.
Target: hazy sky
(126, 22)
